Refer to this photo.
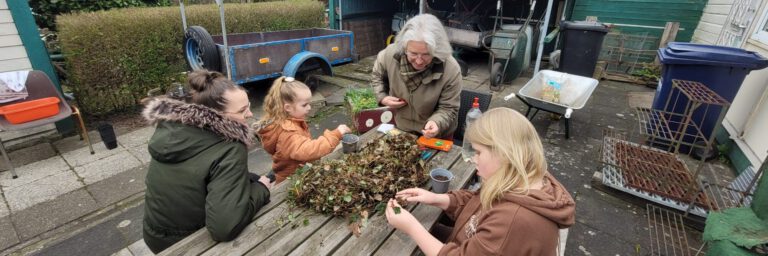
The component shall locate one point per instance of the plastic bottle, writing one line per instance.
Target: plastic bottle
(474, 113)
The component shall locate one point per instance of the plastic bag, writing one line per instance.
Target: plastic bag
(551, 90)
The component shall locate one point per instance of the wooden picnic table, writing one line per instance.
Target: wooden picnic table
(324, 234)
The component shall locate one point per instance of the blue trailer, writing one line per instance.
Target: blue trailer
(249, 57)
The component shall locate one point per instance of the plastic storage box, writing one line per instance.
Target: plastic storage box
(30, 110)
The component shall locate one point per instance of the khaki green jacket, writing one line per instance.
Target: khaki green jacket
(437, 98)
(198, 175)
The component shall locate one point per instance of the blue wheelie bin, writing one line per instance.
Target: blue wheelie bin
(720, 68)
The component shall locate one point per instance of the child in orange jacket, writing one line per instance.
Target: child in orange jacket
(284, 132)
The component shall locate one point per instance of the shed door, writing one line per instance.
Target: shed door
(737, 23)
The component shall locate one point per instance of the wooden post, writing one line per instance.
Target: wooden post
(669, 35)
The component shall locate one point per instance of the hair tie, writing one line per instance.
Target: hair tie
(289, 79)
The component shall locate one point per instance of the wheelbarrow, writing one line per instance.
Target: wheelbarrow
(507, 49)
(555, 92)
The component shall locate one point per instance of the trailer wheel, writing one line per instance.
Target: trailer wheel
(311, 80)
(308, 73)
(496, 77)
(200, 50)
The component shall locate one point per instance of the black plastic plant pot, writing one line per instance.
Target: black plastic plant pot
(107, 134)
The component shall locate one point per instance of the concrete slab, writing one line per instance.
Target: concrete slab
(28, 155)
(53, 213)
(34, 171)
(141, 152)
(104, 168)
(331, 121)
(82, 156)
(612, 216)
(8, 235)
(73, 142)
(336, 99)
(317, 102)
(118, 187)
(99, 240)
(340, 82)
(259, 161)
(12, 135)
(585, 240)
(41, 190)
(130, 224)
(139, 248)
(640, 99)
(14, 140)
(4, 211)
(137, 137)
(123, 252)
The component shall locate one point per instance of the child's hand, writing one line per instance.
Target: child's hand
(417, 195)
(401, 220)
(343, 129)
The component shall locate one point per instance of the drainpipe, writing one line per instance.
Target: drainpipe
(752, 114)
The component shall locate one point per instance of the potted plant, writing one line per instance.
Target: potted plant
(365, 110)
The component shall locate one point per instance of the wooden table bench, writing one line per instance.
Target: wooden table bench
(324, 234)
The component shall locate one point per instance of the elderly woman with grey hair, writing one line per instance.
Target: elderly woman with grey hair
(419, 77)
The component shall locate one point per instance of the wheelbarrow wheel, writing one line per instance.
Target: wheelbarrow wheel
(496, 76)
(200, 50)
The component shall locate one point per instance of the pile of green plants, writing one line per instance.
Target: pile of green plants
(362, 182)
(650, 72)
(114, 57)
(360, 99)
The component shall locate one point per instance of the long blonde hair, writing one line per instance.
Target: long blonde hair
(514, 140)
(283, 91)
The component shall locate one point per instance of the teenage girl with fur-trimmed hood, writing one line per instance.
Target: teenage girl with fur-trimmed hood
(284, 132)
(198, 176)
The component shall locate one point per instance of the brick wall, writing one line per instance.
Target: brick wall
(370, 34)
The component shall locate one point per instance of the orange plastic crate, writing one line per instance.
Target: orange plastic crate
(23, 112)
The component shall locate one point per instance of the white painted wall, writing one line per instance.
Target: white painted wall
(13, 56)
(747, 120)
(712, 20)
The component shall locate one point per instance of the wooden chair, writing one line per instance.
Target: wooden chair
(40, 86)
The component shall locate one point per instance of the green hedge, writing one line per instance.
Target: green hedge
(114, 57)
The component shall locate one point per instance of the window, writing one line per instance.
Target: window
(761, 33)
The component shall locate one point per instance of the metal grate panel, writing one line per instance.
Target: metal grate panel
(699, 92)
(614, 176)
(667, 232)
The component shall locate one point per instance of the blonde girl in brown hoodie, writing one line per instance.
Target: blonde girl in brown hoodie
(517, 211)
(284, 132)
